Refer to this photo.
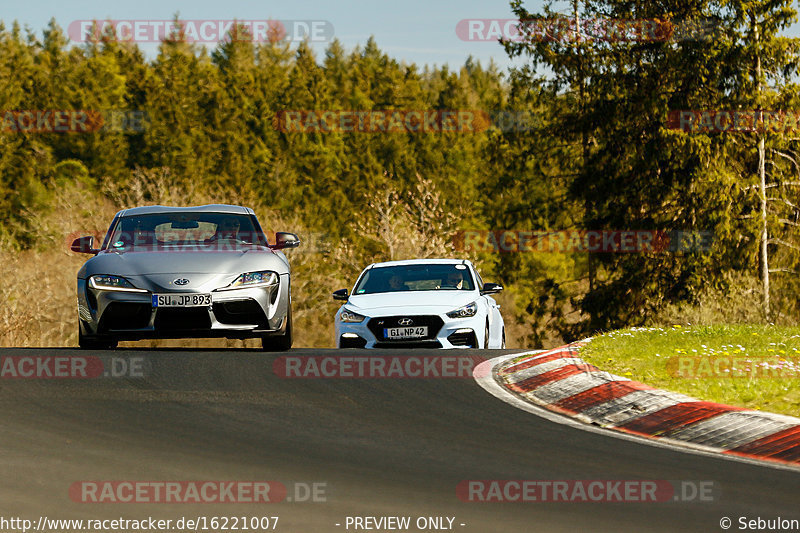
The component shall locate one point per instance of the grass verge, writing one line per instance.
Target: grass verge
(757, 367)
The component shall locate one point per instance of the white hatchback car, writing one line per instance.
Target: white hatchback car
(420, 303)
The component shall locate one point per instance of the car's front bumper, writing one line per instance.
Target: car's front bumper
(239, 313)
(443, 332)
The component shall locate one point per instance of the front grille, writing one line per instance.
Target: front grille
(463, 339)
(377, 325)
(240, 312)
(182, 319)
(124, 315)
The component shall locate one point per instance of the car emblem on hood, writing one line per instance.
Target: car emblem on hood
(405, 322)
(181, 281)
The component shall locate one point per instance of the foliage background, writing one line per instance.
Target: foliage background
(595, 153)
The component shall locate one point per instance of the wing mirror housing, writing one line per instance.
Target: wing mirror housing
(83, 245)
(341, 294)
(285, 240)
(491, 288)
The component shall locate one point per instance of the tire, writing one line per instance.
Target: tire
(486, 338)
(279, 343)
(95, 344)
(503, 347)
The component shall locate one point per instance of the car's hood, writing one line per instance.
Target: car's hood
(411, 302)
(154, 264)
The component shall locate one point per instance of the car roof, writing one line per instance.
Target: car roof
(209, 208)
(439, 261)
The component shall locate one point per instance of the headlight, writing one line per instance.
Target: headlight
(464, 312)
(112, 283)
(265, 278)
(350, 316)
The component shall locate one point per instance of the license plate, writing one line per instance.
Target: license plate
(181, 300)
(415, 332)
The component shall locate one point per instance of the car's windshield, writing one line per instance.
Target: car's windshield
(428, 277)
(180, 229)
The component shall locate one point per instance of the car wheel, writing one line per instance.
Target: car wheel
(503, 347)
(280, 343)
(95, 344)
(486, 338)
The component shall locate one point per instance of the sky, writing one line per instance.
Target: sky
(425, 32)
(418, 31)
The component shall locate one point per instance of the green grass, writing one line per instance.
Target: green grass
(762, 362)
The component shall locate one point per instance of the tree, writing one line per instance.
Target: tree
(635, 173)
(181, 95)
(767, 61)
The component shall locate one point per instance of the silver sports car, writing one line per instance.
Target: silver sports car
(179, 272)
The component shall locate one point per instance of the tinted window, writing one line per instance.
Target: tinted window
(184, 229)
(432, 277)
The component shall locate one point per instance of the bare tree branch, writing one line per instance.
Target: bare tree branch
(784, 243)
(785, 201)
(783, 270)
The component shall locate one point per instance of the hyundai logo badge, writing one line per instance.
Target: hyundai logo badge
(181, 281)
(405, 322)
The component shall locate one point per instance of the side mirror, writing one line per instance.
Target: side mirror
(341, 294)
(83, 245)
(285, 240)
(491, 288)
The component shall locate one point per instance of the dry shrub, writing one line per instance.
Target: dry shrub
(38, 295)
(740, 303)
(412, 224)
(38, 290)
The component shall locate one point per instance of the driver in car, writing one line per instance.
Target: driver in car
(454, 280)
(228, 228)
(396, 283)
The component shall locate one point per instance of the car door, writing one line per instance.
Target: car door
(492, 312)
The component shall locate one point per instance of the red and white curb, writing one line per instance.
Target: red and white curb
(560, 382)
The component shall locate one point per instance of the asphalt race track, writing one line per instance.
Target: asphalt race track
(375, 447)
